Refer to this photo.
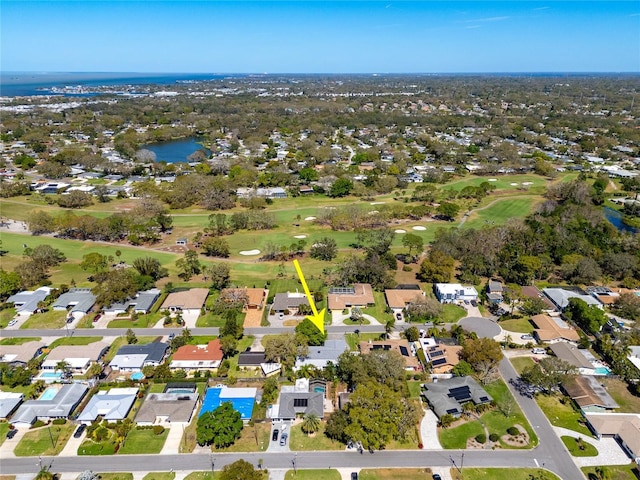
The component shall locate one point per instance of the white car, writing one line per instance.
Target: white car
(12, 322)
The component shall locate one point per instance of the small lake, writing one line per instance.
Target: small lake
(615, 218)
(175, 151)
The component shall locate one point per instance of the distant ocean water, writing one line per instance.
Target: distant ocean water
(14, 84)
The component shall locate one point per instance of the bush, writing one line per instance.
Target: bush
(494, 437)
(38, 423)
(158, 429)
(59, 421)
(481, 438)
(513, 431)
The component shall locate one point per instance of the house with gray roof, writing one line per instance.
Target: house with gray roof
(320, 356)
(112, 405)
(289, 301)
(26, 302)
(141, 303)
(131, 358)
(448, 396)
(60, 406)
(298, 399)
(572, 355)
(167, 407)
(76, 300)
(9, 402)
(560, 297)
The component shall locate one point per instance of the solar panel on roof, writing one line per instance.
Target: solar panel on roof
(452, 410)
(342, 290)
(376, 347)
(387, 347)
(404, 351)
(460, 393)
(437, 353)
(439, 361)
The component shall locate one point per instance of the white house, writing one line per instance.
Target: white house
(452, 292)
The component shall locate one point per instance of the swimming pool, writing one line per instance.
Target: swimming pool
(49, 377)
(602, 371)
(212, 400)
(48, 394)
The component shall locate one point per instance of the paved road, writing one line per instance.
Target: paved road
(114, 332)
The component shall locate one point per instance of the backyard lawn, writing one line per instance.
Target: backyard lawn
(49, 440)
(578, 447)
(618, 472)
(562, 415)
(143, 441)
(620, 392)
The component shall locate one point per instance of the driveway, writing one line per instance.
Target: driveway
(274, 445)
(609, 452)
(429, 431)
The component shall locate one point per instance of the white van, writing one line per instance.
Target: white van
(539, 351)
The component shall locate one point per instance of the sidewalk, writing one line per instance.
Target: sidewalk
(172, 443)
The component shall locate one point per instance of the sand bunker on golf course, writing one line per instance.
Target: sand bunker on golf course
(419, 227)
(250, 252)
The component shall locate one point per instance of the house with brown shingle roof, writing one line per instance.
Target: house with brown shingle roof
(397, 299)
(587, 392)
(401, 346)
(359, 295)
(551, 330)
(186, 300)
(442, 357)
(198, 357)
(624, 427)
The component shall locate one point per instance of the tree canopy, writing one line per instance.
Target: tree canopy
(220, 427)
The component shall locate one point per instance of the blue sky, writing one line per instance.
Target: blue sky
(320, 37)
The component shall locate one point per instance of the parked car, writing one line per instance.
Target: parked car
(474, 303)
(275, 434)
(436, 477)
(12, 433)
(354, 475)
(539, 351)
(283, 439)
(97, 317)
(12, 322)
(526, 337)
(79, 430)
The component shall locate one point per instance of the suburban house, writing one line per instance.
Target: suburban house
(19, 355)
(290, 301)
(442, 357)
(9, 403)
(453, 292)
(634, 355)
(188, 301)
(78, 357)
(249, 360)
(267, 192)
(572, 355)
(552, 329)
(77, 300)
(624, 427)
(359, 295)
(298, 399)
(141, 303)
(61, 405)
(320, 356)
(173, 407)
(398, 299)
(198, 357)
(587, 392)
(400, 346)
(560, 297)
(111, 405)
(131, 358)
(255, 298)
(448, 396)
(531, 291)
(494, 291)
(26, 302)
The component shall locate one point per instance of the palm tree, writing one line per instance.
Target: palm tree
(310, 424)
(64, 367)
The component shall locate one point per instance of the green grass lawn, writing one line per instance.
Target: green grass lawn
(143, 441)
(6, 315)
(53, 319)
(313, 475)
(452, 313)
(505, 474)
(378, 311)
(395, 474)
(618, 472)
(115, 476)
(252, 439)
(4, 428)
(501, 210)
(520, 325)
(92, 447)
(622, 395)
(143, 321)
(456, 437)
(39, 442)
(18, 340)
(74, 341)
(562, 415)
(113, 349)
(303, 442)
(159, 476)
(573, 446)
(353, 339)
(520, 363)
(414, 389)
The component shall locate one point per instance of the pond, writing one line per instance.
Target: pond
(175, 151)
(615, 218)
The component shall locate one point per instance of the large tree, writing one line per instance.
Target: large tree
(483, 354)
(324, 249)
(220, 427)
(240, 470)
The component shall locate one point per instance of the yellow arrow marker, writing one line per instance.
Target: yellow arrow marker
(317, 318)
